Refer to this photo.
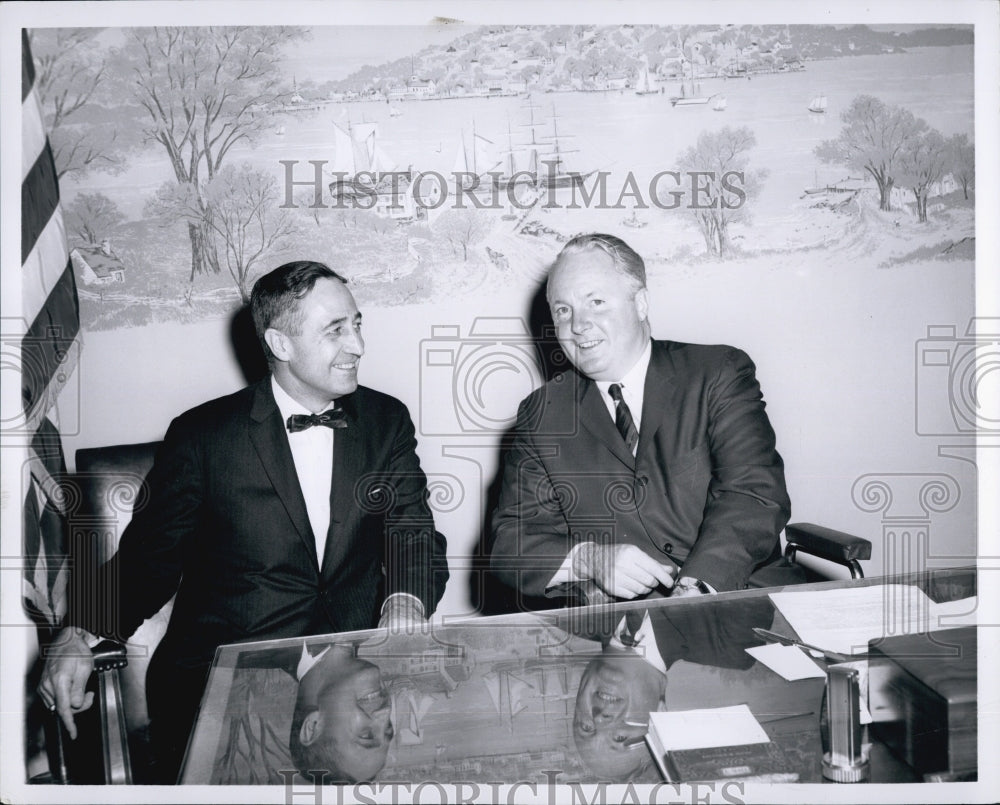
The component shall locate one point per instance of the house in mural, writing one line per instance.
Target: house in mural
(97, 264)
(420, 87)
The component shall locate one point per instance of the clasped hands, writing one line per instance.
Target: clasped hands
(625, 571)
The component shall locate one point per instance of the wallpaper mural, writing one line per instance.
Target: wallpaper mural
(455, 160)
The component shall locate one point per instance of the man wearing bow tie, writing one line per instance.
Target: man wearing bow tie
(648, 469)
(296, 506)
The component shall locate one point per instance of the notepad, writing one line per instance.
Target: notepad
(707, 727)
(717, 743)
(846, 619)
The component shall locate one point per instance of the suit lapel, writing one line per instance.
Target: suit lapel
(348, 450)
(655, 396)
(596, 418)
(267, 433)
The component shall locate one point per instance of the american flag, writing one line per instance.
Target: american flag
(49, 351)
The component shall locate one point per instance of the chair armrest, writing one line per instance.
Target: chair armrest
(836, 546)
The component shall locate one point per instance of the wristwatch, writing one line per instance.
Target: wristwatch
(686, 584)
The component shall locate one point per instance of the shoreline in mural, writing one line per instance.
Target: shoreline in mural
(540, 134)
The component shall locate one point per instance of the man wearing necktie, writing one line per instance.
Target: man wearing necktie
(296, 506)
(651, 469)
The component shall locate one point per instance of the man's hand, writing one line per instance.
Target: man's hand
(68, 665)
(402, 613)
(624, 571)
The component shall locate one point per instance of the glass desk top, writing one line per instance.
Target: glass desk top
(551, 697)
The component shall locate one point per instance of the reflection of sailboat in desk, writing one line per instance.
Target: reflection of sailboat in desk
(818, 104)
(507, 692)
(409, 721)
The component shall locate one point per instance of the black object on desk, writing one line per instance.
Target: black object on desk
(922, 694)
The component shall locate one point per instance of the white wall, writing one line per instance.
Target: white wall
(835, 347)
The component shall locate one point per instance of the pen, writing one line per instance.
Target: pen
(816, 651)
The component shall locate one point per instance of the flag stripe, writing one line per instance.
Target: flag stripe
(43, 268)
(48, 343)
(49, 354)
(32, 133)
(27, 66)
(39, 199)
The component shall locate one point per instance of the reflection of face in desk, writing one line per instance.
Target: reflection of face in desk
(617, 692)
(621, 687)
(342, 719)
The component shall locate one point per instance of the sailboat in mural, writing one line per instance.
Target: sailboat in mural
(363, 170)
(689, 97)
(818, 104)
(552, 171)
(643, 86)
(719, 104)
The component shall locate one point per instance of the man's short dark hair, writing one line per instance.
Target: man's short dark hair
(313, 760)
(627, 260)
(275, 296)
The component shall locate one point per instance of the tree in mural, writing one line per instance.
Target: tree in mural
(721, 186)
(962, 162)
(873, 138)
(92, 216)
(463, 228)
(73, 87)
(247, 219)
(202, 91)
(922, 164)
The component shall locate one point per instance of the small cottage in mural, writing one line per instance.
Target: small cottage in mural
(97, 264)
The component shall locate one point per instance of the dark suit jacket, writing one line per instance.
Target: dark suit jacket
(226, 528)
(705, 492)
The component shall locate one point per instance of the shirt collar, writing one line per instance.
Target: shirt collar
(635, 378)
(286, 403)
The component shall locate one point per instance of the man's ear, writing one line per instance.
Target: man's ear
(277, 343)
(312, 728)
(642, 304)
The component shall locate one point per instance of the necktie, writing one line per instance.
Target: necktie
(333, 418)
(630, 631)
(623, 418)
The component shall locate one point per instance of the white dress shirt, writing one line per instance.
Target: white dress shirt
(312, 453)
(633, 385)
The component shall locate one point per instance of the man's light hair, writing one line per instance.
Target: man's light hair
(626, 259)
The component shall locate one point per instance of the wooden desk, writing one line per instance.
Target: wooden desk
(539, 697)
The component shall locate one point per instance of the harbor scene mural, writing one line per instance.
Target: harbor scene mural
(193, 160)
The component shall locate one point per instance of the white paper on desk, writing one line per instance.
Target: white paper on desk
(789, 662)
(846, 619)
(707, 727)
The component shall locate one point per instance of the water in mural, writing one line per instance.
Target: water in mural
(461, 164)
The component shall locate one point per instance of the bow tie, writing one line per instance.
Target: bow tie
(333, 418)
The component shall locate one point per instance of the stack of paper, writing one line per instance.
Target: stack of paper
(846, 619)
